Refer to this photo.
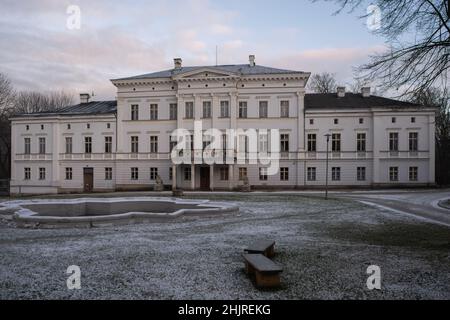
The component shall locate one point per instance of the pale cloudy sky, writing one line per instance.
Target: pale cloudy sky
(125, 38)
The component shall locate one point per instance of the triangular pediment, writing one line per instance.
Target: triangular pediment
(204, 73)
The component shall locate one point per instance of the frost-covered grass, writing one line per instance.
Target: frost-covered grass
(324, 247)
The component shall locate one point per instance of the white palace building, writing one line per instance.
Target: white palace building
(126, 144)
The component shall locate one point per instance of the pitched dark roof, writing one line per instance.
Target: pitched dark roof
(89, 108)
(241, 69)
(350, 101)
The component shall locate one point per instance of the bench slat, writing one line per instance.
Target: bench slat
(262, 263)
(260, 245)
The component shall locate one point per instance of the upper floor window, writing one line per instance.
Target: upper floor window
(68, 126)
(263, 142)
(153, 112)
(360, 142)
(41, 145)
(27, 145)
(108, 144)
(284, 109)
(108, 125)
(134, 112)
(413, 119)
(393, 119)
(312, 146)
(284, 142)
(224, 109)
(87, 144)
(68, 145)
(27, 127)
(88, 125)
(173, 111)
(361, 120)
(206, 109)
(336, 142)
(42, 127)
(134, 144)
(263, 109)
(154, 144)
(393, 141)
(311, 121)
(336, 121)
(413, 141)
(189, 109)
(242, 109)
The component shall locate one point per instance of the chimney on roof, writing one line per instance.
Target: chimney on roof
(340, 92)
(177, 63)
(365, 92)
(251, 60)
(84, 97)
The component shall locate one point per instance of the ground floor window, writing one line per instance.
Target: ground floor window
(108, 173)
(393, 173)
(224, 173)
(170, 173)
(284, 174)
(311, 174)
(413, 173)
(361, 173)
(153, 173)
(187, 174)
(242, 173)
(134, 173)
(41, 173)
(68, 173)
(27, 173)
(263, 174)
(336, 173)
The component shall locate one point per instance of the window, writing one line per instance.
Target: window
(311, 174)
(336, 121)
(413, 141)
(108, 173)
(42, 145)
(284, 174)
(27, 145)
(27, 127)
(284, 109)
(68, 173)
(153, 144)
(361, 120)
(170, 173)
(413, 119)
(360, 142)
(41, 173)
(242, 109)
(187, 174)
(263, 109)
(68, 126)
(224, 173)
(88, 125)
(87, 144)
(361, 173)
(173, 111)
(263, 174)
(134, 112)
(206, 109)
(189, 112)
(224, 109)
(42, 127)
(336, 142)
(263, 142)
(242, 173)
(134, 173)
(153, 173)
(172, 143)
(393, 120)
(336, 173)
(413, 173)
(393, 141)
(27, 173)
(242, 144)
(311, 121)
(393, 173)
(68, 145)
(284, 142)
(108, 144)
(153, 112)
(312, 146)
(134, 144)
(108, 125)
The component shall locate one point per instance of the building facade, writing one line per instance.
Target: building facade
(126, 144)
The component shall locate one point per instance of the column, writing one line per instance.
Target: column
(231, 176)
(174, 177)
(180, 110)
(211, 177)
(233, 109)
(214, 110)
(55, 154)
(192, 177)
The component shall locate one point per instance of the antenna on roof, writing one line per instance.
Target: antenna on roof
(216, 55)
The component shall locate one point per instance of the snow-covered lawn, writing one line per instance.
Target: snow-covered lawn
(324, 247)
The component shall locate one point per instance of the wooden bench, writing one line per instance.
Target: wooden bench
(267, 273)
(265, 247)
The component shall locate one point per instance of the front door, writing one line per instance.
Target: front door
(88, 179)
(204, 178)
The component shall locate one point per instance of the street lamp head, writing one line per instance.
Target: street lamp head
(328, 135)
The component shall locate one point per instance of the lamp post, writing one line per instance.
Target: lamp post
(328, 135)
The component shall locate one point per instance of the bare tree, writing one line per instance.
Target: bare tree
(322, 83)
(7, 96)
(418, 33)
(31, 101)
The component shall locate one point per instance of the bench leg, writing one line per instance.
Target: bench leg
(249, 269)
(267, 280)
